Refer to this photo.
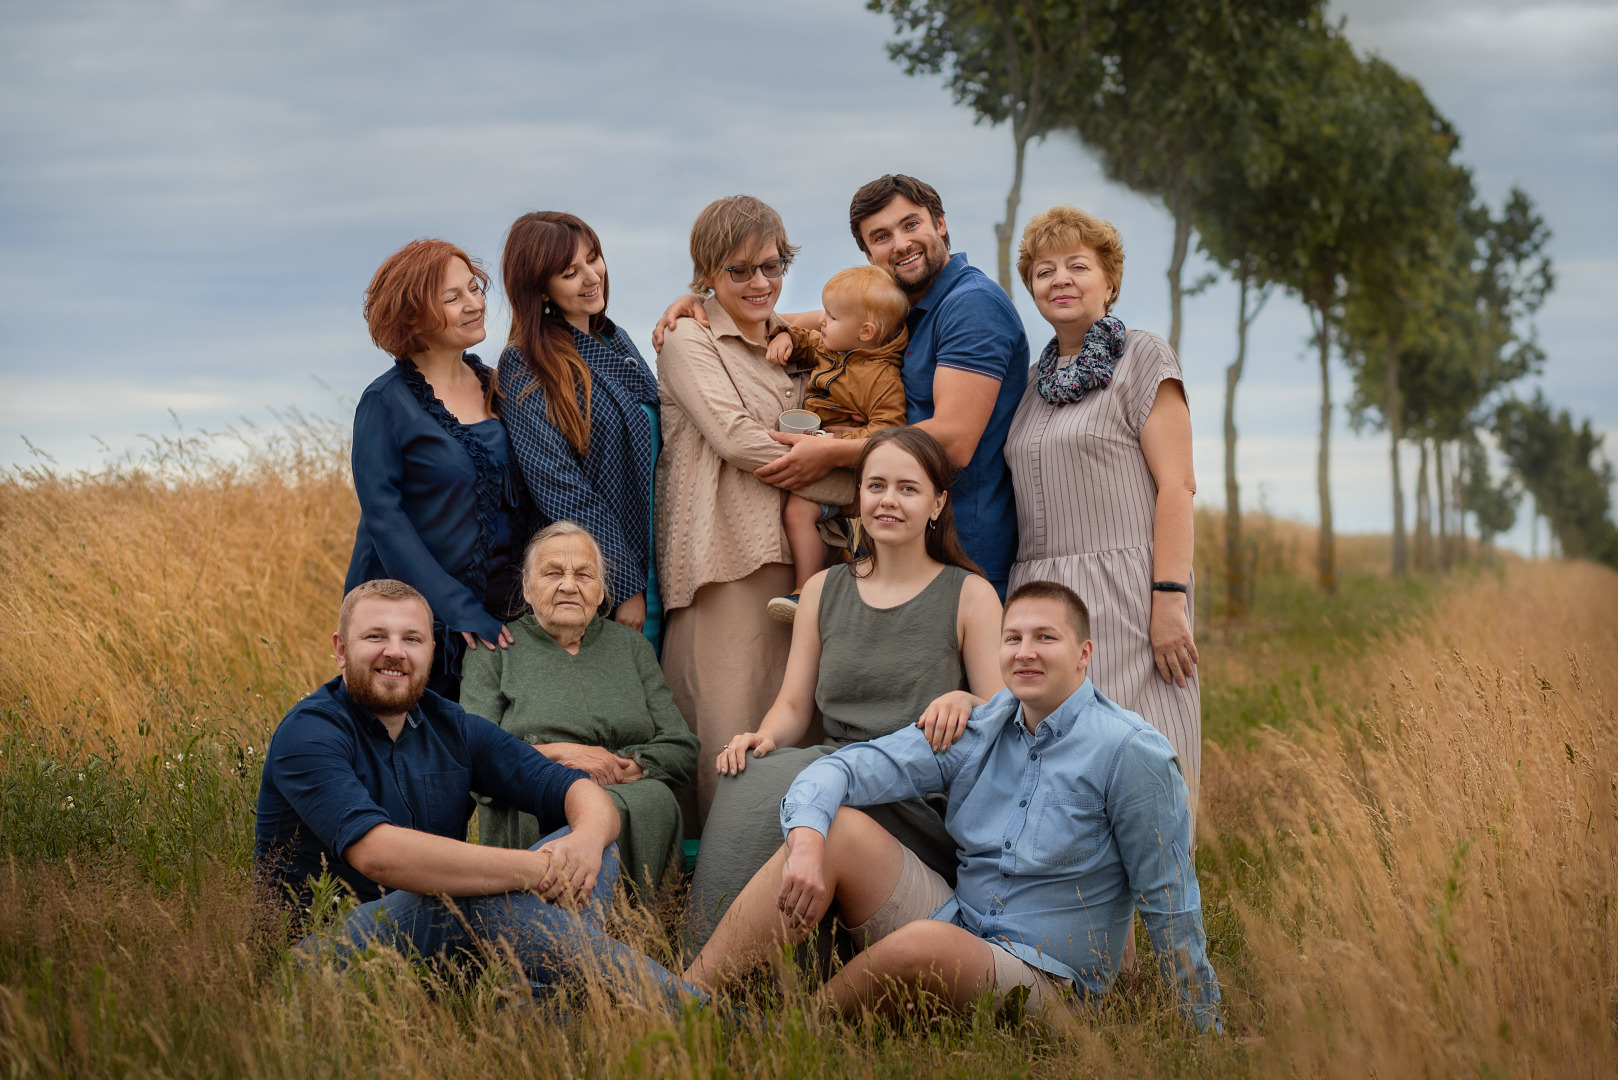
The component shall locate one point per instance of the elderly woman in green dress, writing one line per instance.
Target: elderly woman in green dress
(585, 692)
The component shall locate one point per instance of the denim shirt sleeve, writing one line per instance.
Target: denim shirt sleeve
(514, 773)
(555, 479)
(378, 483)
(313, 760)
(895, 767)
(1151, 822)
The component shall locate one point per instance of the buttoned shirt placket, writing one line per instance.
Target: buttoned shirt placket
(1031, 745)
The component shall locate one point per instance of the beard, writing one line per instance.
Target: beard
(384, 698)
(934, 257)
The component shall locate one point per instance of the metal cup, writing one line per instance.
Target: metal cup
(797, 422)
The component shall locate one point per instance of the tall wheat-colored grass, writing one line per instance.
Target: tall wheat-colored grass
(181, 580)
(1441, 876)
(1412, 872)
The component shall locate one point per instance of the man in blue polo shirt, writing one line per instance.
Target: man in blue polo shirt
(964, 370)
(370, 778)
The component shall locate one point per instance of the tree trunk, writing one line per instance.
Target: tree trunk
(1326, 553)
(1444, 552)
(1393, 409)
(1181, 208)
(1424, 524)
(1003, 231)
(1235, 588)
(1462, 556)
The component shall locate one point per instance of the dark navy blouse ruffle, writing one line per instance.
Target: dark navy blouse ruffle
(441, 506)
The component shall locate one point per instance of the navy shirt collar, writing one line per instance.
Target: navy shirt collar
(943, 283)
(366, 719)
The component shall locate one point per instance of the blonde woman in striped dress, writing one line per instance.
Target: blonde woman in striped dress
(1100, 456)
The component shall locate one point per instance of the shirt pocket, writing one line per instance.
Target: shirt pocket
(1070, 830)
(448, 799)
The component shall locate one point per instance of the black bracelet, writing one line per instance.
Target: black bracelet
(1169, 586)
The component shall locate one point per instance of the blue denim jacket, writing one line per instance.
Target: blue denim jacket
(1061, 835)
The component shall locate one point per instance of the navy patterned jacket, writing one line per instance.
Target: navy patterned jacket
(609, 489)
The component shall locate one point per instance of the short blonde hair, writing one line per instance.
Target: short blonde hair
(879, 297)
(378, 589)
(729, 225)
(1064, 228)
(567, 528)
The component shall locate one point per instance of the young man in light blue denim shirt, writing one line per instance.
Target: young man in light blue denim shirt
(1068, 812)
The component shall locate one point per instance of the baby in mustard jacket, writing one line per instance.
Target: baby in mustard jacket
(855, 389)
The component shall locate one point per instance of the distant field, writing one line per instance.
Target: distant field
(1408, 843)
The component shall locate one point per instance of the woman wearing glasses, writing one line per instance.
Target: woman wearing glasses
(721, 550)
(581, 405)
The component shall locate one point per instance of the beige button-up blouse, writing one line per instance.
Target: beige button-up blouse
(720, 400)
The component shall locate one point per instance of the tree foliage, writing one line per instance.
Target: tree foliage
(1562, 467)
(1007, 60)
(1179, 76)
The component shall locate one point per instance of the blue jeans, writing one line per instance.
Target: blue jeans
(550, 942)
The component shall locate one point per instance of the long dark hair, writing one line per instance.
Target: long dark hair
(942, 542)
(538, 247)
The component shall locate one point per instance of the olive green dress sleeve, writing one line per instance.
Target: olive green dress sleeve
(671, 754)
(480, 684)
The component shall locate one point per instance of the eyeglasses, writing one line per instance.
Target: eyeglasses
(773, 268)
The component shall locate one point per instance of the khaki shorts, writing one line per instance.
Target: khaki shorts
(919, 893)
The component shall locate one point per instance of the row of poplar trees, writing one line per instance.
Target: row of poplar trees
(1295, 164)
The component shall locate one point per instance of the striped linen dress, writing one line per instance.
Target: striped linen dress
(1085, 504)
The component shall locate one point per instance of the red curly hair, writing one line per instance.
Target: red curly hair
(401, 303)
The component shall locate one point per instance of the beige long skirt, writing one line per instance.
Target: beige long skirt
(724, 658)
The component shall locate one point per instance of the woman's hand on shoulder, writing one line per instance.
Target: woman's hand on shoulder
(632, 612)
(688, 306)
(944, 721)
(472, 640)
(733, 758)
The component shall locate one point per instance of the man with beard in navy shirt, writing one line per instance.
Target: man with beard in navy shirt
(370, 777)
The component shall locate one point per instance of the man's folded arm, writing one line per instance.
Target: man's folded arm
(511, 772)
(311, 762)
(1151, 822)
(895, 767)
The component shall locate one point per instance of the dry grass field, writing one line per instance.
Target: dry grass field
(1408, 843)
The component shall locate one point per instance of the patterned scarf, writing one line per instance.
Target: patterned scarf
(1091, 370)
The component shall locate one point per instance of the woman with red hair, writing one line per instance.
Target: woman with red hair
(442, 507)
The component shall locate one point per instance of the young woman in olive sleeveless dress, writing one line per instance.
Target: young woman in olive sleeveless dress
(907, 635)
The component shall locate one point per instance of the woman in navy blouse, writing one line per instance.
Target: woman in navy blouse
(441, 505)
(581, 405)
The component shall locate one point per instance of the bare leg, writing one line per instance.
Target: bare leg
(937, 958)
(808, 552)
(862, 865)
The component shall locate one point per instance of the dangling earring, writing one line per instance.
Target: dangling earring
(547, 309)
(932, 523)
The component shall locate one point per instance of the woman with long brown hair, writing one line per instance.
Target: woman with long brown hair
(907, 634)
(581, 404)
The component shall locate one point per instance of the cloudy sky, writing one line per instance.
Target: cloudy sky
(194, 193)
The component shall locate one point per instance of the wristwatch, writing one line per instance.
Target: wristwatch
(1169, 586)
